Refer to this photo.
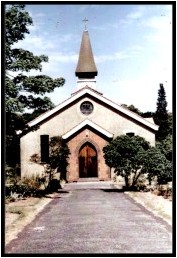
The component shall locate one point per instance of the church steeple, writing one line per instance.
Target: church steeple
(86, 69)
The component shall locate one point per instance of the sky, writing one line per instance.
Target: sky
(132, 47)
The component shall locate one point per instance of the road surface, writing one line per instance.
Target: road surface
(89, 218)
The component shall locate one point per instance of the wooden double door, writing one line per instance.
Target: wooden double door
(88, 166)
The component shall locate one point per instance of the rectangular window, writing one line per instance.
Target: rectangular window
(44, 148)
(131, 134)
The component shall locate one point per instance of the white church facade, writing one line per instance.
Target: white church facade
(87, 121)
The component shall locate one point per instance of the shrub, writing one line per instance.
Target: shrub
(125, 154)
(12, 174)
(164, 190)
(131, 157)
(156, 165)
(23, 188)
(57, 163)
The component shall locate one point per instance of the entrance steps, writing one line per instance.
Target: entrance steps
(88, 179)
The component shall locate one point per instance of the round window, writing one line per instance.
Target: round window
(86, 108)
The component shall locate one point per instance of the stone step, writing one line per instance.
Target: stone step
(89, 179)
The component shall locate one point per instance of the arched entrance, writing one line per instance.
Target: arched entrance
(88, 161)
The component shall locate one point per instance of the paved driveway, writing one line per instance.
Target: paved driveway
(93, 218)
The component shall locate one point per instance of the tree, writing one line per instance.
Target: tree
(125, 154)
(156, 165)
(56, 163)
(133, 156)
(165, 147)
(17, 21)
(170, 122)
(161, 115)
(132, 108)
(137, 111)
(147, 114)
(59, 153)
(21, 91)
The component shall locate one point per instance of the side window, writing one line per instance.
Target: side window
(131, 134)
(44, 148)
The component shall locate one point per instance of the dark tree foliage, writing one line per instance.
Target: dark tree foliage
(133, 156)
(170, 123)
(161, 115)
(147, 114)
(58, 155)
(137, 111)
(22, 91)
(57, 161)
(125, 154)
(165, 147)
(132, 108)
(156, 164)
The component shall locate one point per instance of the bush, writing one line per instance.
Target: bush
(164, 190)
(158, 166)
(57, 163)
(25, 187)
(141, 184)
(12, 174)
(53, 185)
(125, 154)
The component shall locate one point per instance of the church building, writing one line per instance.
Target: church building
(87, 121)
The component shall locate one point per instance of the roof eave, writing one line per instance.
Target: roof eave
(84, 123)
(98, 96)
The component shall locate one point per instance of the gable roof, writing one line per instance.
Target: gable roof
(96, 95)
(89, 123)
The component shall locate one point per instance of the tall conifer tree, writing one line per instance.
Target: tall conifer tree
(161, 115)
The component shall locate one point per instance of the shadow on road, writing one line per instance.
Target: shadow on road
(62, 191)
(58, 192)
(52, 197)
(113, 190)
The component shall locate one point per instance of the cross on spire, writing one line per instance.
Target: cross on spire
(85, 20)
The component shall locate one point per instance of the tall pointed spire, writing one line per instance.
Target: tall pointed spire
(86, 68)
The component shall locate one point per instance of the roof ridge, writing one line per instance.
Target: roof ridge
(86, 87)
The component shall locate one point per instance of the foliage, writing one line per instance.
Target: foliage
(137, 111)
(126, 154)
(165, 147)
(24, 187)
(156, 165)
(22, 92)
(170, 122)
(18, 60)
(13, 122)
(58, 155)
(132, 108)
(12, 174)
(161, 115)
(164, 190)
(131, 157)
(147, 114)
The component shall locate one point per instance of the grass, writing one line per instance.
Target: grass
(20, 213)
(161, 207)
(22, 207)
(17, 210)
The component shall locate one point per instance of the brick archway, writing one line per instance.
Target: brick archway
(87, 160)
(81, 143)
(75, 144)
